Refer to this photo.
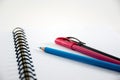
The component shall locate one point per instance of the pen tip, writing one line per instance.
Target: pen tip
(42, 48)
(39, 47)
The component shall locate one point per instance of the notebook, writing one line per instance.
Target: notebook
(49, 67)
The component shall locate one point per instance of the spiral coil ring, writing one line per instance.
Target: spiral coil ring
(23, 55)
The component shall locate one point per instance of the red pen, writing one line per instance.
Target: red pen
(79, 46)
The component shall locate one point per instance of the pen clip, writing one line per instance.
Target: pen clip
(80, 43)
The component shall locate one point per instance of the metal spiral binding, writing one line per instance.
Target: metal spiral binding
(23, 55)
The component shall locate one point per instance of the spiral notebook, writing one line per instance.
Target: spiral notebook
(20, 58)
(24, 59)
(26, 69)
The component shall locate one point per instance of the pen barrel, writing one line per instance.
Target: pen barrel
(83, 59)
(94, 54)
(100, 52)
(87, 50)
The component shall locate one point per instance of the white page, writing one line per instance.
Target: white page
(94, 22)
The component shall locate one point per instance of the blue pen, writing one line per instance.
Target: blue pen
(82, 59)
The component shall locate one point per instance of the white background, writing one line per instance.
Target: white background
(95, 22)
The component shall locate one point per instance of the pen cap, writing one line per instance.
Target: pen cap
(65, 42)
